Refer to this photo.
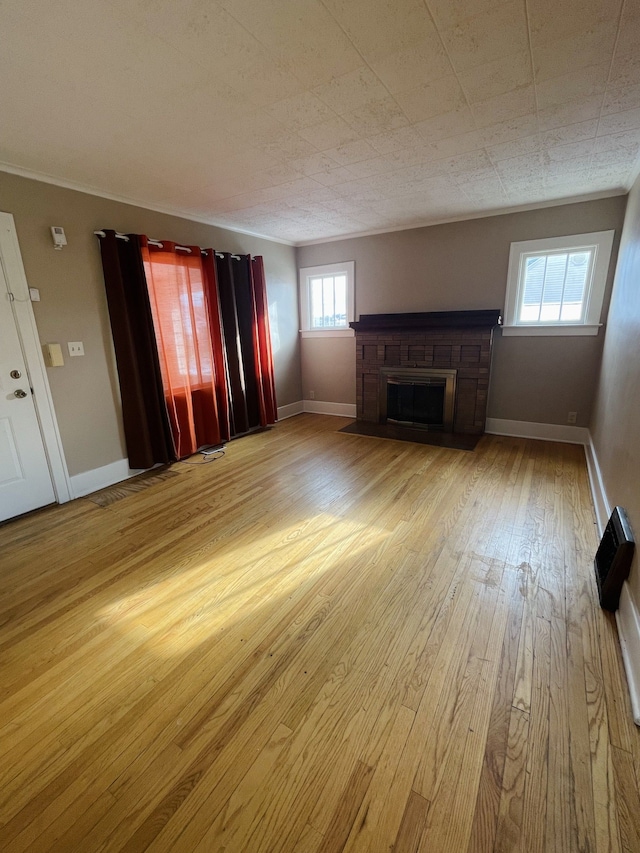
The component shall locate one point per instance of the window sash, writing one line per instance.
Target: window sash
(328, 301)
(547, 284)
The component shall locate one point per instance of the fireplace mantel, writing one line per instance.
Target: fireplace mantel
(429, 320)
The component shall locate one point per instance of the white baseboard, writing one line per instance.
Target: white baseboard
(318, 407)
(598, 493)
(627, 617)
(290, 410)
(544, 432)
(99, 478)
(628, 621)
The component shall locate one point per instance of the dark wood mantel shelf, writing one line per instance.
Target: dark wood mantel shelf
(428, 320)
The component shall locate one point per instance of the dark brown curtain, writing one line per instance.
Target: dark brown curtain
(212, 297)
(146, 422)
(247, 342)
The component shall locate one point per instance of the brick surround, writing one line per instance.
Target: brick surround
(465, 348)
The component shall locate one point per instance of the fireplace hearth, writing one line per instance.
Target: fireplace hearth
(427, 371)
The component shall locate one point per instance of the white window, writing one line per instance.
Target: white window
(556, 286)
(327, 299)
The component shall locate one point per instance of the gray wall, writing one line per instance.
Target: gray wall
(460, 266)
(73, 304)
(615, 427)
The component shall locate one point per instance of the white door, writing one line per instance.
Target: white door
(25, 479)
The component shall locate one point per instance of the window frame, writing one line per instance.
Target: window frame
(601, 241)
(305, 275)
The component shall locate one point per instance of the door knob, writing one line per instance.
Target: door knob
(15, 374)
(20, 393)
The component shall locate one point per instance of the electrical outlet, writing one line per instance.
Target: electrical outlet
(312, 395)
(76, 348)
(572, 417)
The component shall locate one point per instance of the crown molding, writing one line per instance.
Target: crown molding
(175, 211)
(157, 208)
(483, 214)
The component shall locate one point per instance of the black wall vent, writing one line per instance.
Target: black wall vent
(613, 559)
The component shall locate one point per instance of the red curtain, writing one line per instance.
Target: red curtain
(262, 345)
(186, 318)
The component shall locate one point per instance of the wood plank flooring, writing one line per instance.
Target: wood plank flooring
(320, 643)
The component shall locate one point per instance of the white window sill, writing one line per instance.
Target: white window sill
(555, 329)
(327, 333)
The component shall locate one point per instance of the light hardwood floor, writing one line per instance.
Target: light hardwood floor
(319, 643)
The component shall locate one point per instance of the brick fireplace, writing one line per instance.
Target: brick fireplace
(451, 341)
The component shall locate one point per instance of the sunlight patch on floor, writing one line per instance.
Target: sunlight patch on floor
(212, 595)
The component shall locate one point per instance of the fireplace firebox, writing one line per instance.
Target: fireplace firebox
(418, 397)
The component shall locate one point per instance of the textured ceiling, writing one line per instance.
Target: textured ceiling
(306, 119)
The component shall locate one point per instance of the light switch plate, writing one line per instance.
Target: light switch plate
(53, 355)
(76, 348)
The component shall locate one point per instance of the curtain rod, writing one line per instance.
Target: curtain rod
(149, 240)
(161, 245)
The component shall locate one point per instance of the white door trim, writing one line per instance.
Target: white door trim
(11, 261)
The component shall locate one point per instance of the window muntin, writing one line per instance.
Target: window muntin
(554, 285)
(328, 301)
